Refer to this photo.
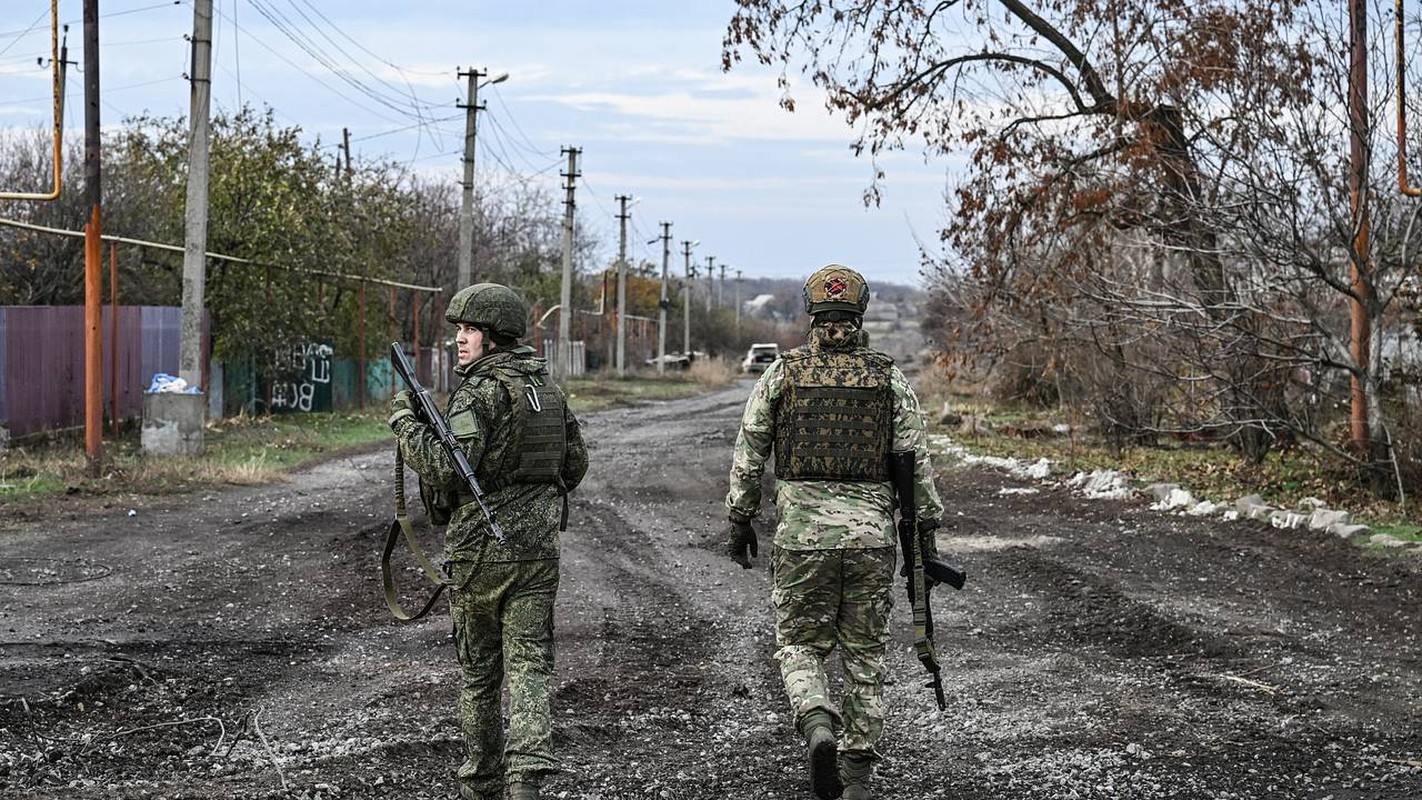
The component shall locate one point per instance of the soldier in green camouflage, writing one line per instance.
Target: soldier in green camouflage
(832, 411)
(528, 453)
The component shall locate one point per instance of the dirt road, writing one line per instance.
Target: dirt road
(234, 645)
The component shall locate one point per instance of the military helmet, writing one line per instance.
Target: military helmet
(489, 306)
(836, 288)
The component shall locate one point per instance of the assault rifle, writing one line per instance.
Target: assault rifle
(431, 414)
(918, 567)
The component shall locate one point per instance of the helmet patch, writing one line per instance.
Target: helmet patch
(835, 287)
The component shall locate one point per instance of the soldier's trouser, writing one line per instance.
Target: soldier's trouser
(828, 597)
(503, 620)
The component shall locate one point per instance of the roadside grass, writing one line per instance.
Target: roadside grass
(254, 450)
(601, 391)
(241, 450)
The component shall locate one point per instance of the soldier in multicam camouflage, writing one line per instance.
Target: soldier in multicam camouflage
(528, 453)
(832, 411)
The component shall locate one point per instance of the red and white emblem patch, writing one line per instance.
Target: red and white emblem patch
(836, 286)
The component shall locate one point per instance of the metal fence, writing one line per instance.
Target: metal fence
(42, 362)
(42, 370)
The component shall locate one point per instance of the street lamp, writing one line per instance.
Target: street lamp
(466, 208)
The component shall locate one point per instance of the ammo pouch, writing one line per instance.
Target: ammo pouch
(439, 502)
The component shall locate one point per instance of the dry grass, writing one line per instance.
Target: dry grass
(713, 373)
(243, 451)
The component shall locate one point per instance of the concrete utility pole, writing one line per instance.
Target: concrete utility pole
(622, 286)
(565, 309)
(721, 289)
(663, 302)
(710, 281)
(93, 248)
(466, 205)
(686, 300)
(738, 302)
(195, 223)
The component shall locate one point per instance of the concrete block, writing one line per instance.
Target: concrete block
(1287, 520)
(173, 423)
(1344, 531)
(1323, 518)
(1253, 507)
(1161, 491)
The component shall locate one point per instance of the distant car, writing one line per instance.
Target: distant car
(760, 356)
(676, 360)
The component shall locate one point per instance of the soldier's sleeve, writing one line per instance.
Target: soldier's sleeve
(754, 442)
(424, 453)
(575, 461)
(909, 435)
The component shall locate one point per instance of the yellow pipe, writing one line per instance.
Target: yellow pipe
(55, 68)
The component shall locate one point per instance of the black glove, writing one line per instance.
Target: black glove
(742, 539)
(928, 537)
(927, 546)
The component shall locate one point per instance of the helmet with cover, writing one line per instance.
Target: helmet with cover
(837, 291)
(492, 307)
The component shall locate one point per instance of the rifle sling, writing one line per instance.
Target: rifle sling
(402, 527)
(923, 620)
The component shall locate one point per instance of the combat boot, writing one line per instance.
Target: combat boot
(855, 772)
(523, 790)
(823, 751)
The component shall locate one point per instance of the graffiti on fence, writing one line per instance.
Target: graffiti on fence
(303, 379)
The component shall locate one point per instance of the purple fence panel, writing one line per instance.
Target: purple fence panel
(43, 378)
(42, 362)
(161, 332)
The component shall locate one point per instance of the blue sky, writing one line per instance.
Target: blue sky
(636, 84)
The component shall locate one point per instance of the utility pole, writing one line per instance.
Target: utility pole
(710, 281)
(721, 289)
(195, 223)
(686, 301)
(346, 148)
(738, 302)
(663, 302)
(565, 309)
(93, 248)
(1360, 272)
(466, 205)
(622, 286)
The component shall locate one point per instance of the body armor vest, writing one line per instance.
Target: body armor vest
(535, 444)
(528, 446)
(835, 416)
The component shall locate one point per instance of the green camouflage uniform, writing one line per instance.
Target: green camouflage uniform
(502, 595)
(833, 558)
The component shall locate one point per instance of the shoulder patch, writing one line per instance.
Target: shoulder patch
(464, 424)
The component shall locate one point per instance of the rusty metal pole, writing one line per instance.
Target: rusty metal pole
(93, 249)
(113, 340)
(360, 377)
(394, 334)
(1360, 329)
(417, 336)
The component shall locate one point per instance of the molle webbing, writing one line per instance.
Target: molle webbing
(531, 447)
(545, 439)
(835, 420)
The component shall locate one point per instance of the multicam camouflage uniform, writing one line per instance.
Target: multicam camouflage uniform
(833, 558)
(502, 594)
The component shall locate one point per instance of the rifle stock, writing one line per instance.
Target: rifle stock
(430, 412)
